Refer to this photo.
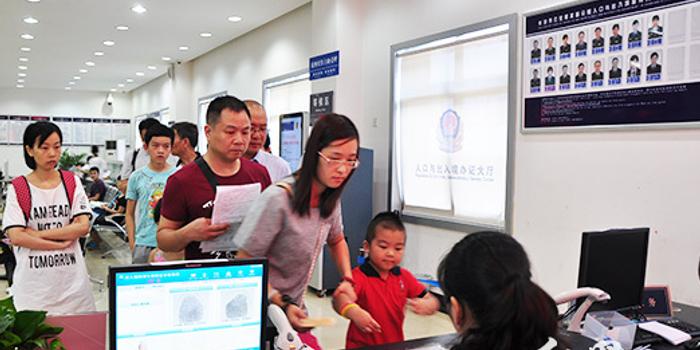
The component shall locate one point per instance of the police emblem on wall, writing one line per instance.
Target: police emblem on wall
(450, 132)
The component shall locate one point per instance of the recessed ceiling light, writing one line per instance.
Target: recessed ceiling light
(152, 67)
(25, 49)
(33, 0)
(108, 43)
(99, 53)
(113, 90)
(83, 71)
(205, 35)
(20, 86)
(235, 19)
(120, 85)
(71, 83)
(20, 80)
(22, 75)
(140, 74)
(26, 36)
(67, 87)
(23, 59)
(90, 63)
(31, 20)
(122, 28)
(138, 8)
(165, 58)
(22, 67)
(183, 48)
(129, 80)
(76, 77)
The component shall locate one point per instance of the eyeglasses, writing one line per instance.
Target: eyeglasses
(353, 164)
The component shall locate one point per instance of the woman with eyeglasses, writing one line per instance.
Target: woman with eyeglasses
(291, 221)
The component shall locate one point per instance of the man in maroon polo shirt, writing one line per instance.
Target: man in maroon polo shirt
(188, 200)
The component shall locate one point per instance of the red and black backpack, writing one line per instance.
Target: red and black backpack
(24, 194)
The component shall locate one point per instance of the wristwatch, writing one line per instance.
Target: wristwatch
(286, 301)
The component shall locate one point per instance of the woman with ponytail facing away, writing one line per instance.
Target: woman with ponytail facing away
(493, 303)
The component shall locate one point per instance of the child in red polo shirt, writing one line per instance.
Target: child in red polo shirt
(383, 288)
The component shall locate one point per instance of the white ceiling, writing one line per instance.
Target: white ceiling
(70, 31)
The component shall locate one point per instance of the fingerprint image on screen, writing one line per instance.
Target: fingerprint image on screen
(191, 310)
(237, 307)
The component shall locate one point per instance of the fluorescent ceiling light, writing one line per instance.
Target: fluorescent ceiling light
(205, 35)
(99, 53)
(33, 0)
(152, 67)
(90, 63)
(129, 80)
(22, 75)
(183, 48)
(20, 80)
(71, 83)
(108, 43)
(23, 59)
(67, 87)
(140, 74)
(76, 77)
(22, 67)
(83, 71)
(113, 90)
(20, 86)
(25, 49)
(138, 8)
(26, 36)
(120, 85)
(165, 58)
(235, 19)
(122, 28)
(31, 20)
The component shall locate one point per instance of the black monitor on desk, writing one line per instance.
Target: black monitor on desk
(615, 261)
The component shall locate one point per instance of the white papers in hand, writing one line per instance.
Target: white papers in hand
(231, 204)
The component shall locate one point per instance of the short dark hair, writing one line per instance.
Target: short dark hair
(224, 102)
(159, 130)
(550, 69)
(94, 149)
(615, 59)
(389, 220)
(635, 22)
(147, 124)
(565, 66)
(581, 64)
(597, 29)
(565, 36)
(616, 26)
(37, 133)
(655, 18)
(581, 32)
(95, 169)
(535, 70)
(654, 54)
(187, 130)
(634, 58)
(597, 61)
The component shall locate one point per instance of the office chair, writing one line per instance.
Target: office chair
(114, 223)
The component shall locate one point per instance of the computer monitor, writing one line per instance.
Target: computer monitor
(615, 261)
(188, 305)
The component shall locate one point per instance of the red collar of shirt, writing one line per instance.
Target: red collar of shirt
(370, 271)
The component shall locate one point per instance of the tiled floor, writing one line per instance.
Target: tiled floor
(332, 337)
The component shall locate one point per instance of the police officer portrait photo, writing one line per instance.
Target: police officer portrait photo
(635, 35)
(581, 44)
(635, 65)
(597, 73)
(654, 66)
(615, 68)
(616, 36)
(581, 76)
(550, 50)
(536, 52)
(598, 40)
(550, 79)
(565, 77)
(535, 81)
(655, 29)
(565, 45)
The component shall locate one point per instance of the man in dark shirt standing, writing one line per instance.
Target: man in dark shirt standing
(550, 79)
(581, 77)
(635, 34)
(187, 204)
(550, 50)
(535, 81)
(656, 30)
(581, 45)
(634, 70)
(98, 188)
(536, 52)
(597, 72)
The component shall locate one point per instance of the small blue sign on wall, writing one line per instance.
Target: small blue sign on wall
(324, 66)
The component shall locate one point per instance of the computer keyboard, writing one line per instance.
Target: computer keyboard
(642, 337)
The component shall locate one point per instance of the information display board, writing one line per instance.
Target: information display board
(612, 63)
(292, 135)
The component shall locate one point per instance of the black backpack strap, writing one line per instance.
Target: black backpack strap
(206, 170)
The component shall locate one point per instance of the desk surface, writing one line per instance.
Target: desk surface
(687, 313)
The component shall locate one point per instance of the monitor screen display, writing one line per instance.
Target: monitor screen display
(201, 306)
(292, 139)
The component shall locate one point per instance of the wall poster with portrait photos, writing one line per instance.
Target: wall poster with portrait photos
(454, 99)
(611, 64)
